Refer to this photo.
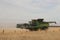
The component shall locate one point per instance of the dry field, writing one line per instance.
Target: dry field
(53, 33)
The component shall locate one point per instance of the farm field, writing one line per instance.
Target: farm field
(53, 33)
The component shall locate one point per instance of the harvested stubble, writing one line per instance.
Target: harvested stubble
(23, 34)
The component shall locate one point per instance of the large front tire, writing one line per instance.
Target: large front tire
(33, 29)
(44, 28)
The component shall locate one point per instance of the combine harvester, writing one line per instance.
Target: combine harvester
(35, 25)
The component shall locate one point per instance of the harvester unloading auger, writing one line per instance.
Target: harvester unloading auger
(35, 24)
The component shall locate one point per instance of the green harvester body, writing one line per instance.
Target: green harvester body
(35, 24)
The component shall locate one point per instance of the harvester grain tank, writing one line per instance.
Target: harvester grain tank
(35, 24)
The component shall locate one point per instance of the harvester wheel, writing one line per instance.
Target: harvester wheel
(34, 29)
(30, 29)
(44, 28)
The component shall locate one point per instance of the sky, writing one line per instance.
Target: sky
(20, 11)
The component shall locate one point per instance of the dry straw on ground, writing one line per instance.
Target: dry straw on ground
(23, 34)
